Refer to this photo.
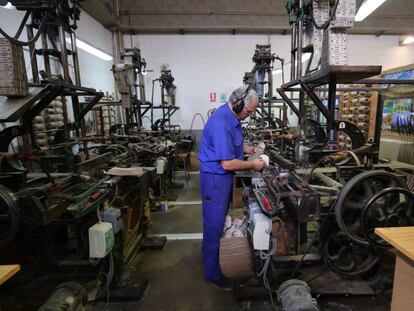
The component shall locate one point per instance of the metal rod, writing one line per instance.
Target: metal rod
(378, 124)
(288, 101)
(45, 53)
(331, 107)
(75, 58)
(33, 58)
(270, 89)
(299, 50)
(310, 92)
(292, 54)
(63, 50)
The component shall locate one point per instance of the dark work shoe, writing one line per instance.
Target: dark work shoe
(223, 284)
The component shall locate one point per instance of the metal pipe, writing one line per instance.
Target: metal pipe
(75, 58)
(292, 54)
(63, 50)
(270, 89)
(299, 49)
(331, 107)
(330, 182)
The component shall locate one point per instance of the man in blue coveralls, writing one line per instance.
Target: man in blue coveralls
(220, 154)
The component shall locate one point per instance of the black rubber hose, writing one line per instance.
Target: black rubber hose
(33, 40)
(19, 31)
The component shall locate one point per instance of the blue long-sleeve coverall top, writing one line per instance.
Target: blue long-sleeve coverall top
(222, 139)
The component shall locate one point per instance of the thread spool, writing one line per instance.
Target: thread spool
(363, 108)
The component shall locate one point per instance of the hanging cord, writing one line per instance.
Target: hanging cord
(267, 256)
(19, 31)
(108, 278)
(31, 41)
(115, 195)
(192, 122)
(326, 24)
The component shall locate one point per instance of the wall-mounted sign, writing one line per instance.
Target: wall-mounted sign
(213, 97)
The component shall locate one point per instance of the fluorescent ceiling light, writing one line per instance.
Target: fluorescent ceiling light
(9, 6)
(90, 49)
(277, 71)
(407, 40)
(367, 7)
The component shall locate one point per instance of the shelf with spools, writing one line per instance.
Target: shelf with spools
(359, 108)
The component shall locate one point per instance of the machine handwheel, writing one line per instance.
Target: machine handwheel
(391, 207)
(9, 222)
(346, 257)
(355, 194)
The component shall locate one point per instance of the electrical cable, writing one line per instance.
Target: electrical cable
(108, 278)
(19, 31)
(98, 214)
(45, 170)
(192, 122)
(115, 195)
(313, 240)
(266, 256)
(316, 165)
(31, 41)
(358, 162)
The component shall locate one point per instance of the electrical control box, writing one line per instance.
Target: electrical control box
(112, 215)
(262, 227)
(101, 239)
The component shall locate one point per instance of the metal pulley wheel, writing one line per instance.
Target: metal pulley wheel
(391, 207)
(9, 221)
(345, 257)
(355, 194)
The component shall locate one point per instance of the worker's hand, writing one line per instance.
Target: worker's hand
(249, 149)
(258, 164)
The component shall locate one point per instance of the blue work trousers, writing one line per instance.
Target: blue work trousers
(216, 191)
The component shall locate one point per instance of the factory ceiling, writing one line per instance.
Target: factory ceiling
(233, 16)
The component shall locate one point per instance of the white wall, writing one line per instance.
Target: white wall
(95, 72)
(216, 63)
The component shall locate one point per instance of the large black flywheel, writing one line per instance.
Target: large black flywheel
(9, 221)
(345, 257)
(391, 207)
(355, 194)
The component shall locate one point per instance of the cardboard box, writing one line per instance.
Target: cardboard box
(194, 163)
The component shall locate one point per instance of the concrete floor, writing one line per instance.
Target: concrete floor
(175, 273)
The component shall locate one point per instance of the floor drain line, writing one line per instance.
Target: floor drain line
(181, 236)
